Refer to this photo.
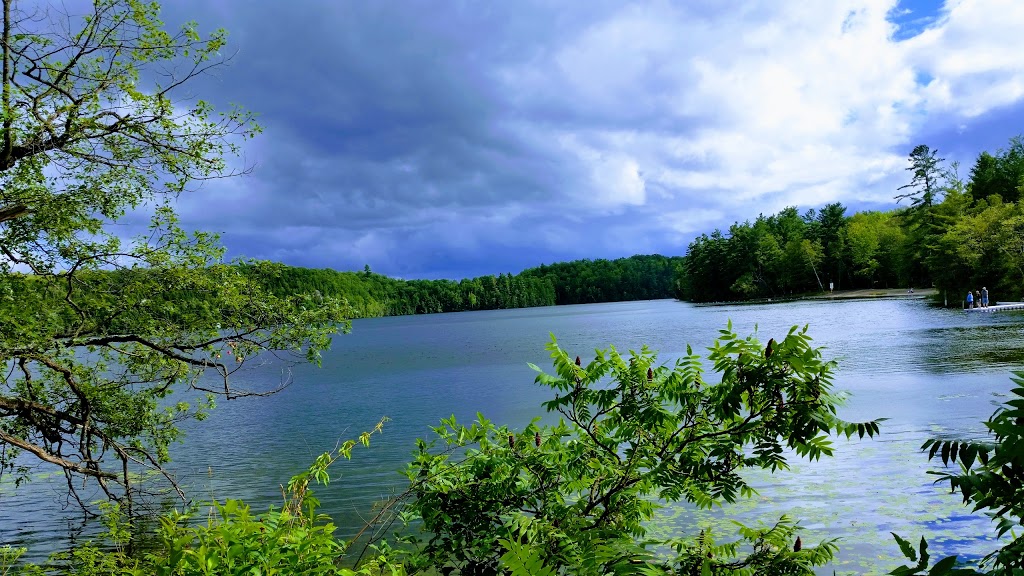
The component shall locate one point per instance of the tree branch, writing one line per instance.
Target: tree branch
(13, 211)
(46, 456)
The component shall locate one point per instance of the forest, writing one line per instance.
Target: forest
(578, 282)
(953, 232)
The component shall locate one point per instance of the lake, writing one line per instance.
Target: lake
(932, 372)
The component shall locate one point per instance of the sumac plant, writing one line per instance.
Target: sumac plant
(632, 435)
(989, 474)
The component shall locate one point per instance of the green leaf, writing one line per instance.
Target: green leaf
(943, 566)
(905, 547)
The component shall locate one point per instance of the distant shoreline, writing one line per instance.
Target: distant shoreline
(868, 293)
(875, 293)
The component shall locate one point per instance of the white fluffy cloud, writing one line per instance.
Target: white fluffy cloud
(972, 57)
(791, 103)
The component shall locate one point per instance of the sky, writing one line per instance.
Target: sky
(455, 139)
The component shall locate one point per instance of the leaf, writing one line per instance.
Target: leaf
(905, 547)
(942, 566)
(967, 454)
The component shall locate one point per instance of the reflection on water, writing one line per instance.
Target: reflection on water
(932, 372)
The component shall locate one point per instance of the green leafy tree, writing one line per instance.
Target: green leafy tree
(1009, 241)
(803, 260)
(981, 249)
(875, 239)
(1000, 175)
(924, 191)
(829, 228)
(985, 176)
(925, 187)
(632, 433)
(704, 277)
(108, 343)
(585, 281)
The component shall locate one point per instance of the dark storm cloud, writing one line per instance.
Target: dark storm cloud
(377, 117)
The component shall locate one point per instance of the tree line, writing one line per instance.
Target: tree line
(590, 281)
(956, 234)
(578, 282)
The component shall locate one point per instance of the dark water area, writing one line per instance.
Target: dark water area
(931, 372)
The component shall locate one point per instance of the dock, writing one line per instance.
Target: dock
(998, 307)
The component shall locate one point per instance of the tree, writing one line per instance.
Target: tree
(864, 238)
(100, 331)
(924, 191)
(1002, 174)
(705, 278)
(831, 231)
(925, 186)
(984, 177)
(875, 240)
(632, 433)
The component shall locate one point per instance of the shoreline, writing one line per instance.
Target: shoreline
(875, 293)
(862, 294)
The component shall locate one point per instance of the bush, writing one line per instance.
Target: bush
(576, 494)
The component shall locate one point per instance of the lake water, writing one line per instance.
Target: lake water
(932, 372)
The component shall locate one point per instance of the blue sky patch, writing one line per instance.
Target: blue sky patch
(912, 17)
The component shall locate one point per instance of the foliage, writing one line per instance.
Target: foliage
(589, 281)
(781, 255)
(581, 281)
(108, 343)
(9, 556)
(874, 240)
(772, 552)
(294, 539)
(925, 186)
(632, 434)
(1001, 174)
(945, 567)
(956, 236)
(991, 476)
(376, 295)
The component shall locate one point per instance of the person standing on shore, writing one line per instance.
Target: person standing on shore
(984, 297)
(977, 299)
(970, 299)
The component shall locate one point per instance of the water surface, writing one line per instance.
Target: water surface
(932, 372)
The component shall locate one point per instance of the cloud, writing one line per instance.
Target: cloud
(610, 180)
(971, 57)
(458, 139)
